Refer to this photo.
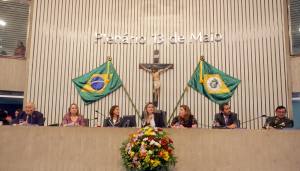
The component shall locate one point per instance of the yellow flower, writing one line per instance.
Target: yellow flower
(147, 159)
(166, 155)
(155, 163)
(150, 132)
(131, 154)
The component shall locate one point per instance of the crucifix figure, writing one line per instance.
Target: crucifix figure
(156, 69)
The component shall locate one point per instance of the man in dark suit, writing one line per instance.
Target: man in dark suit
(29, 116)
(225, 119)
(279, 121)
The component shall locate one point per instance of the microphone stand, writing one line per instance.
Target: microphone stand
(256, 118)
(127, 124)
(102, 116)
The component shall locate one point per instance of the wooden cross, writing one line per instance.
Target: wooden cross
(156, 69)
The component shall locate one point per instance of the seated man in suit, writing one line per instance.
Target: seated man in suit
(225, 119)
(29, 116)
(279, 121)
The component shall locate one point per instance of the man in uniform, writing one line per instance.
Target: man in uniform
(279, 121)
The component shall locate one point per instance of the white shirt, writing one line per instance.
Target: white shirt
(152, 122)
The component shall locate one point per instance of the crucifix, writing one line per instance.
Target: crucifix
(156, 69)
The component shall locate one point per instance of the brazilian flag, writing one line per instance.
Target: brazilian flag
(98, 83)
(213, 83)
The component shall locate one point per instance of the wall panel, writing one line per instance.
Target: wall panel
(253, 50)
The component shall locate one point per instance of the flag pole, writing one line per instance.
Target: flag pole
(184, 91)
(178, 102)
(109, 58)
(130, 99)
(201, 69)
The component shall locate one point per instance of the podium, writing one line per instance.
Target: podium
(66, 148)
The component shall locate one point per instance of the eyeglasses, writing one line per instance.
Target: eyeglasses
(282, 112)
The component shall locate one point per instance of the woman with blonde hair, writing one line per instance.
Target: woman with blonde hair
(151, 117)
(73, 117)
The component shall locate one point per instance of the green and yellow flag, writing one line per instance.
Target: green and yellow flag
(98, 83)
(213, 83)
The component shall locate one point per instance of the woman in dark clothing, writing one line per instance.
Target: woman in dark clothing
(185, 119)
(114, 120)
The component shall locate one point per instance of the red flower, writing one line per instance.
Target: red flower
(150, 138)
(164, 142)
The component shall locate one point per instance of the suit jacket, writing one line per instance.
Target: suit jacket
(36, 118)
(232, 119)
(108, 122)
(278, 123)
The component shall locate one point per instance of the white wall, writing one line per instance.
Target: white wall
(253, 50)
(13, 74)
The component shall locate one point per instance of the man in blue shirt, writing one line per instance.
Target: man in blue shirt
(29, 116)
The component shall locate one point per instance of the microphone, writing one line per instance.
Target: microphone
(54, 124)
(99, 113)
(127, 123)
(96, 118)
(256, 118)
(102, 115)
(27, 119)
(261, 116)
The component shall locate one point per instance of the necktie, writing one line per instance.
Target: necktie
(226, 120)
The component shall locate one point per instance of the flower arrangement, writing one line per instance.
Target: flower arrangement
(148, 149)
